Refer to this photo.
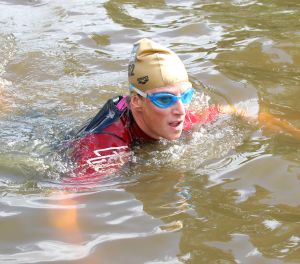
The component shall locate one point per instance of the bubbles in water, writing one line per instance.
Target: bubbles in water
(204, 143)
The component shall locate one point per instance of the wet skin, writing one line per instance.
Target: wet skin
(158, 122)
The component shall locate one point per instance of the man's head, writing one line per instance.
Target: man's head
(160, 89)
(152, 65)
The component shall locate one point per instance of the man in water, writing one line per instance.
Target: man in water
(157, 108)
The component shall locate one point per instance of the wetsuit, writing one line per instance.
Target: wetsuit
(105, 143)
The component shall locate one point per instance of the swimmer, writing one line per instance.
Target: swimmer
(157, 108)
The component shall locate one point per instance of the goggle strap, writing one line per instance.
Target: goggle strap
(134, 89)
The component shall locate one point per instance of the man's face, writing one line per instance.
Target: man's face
(163, 122)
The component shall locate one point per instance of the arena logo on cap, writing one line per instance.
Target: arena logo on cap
(143, 80)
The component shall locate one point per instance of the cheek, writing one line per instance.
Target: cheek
(156, 114)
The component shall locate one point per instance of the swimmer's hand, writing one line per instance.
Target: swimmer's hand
(231, 109)
(265, 120)
(275, 124)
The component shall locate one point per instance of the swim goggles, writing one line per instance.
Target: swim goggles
(164, 99)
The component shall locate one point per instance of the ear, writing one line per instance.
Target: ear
(136, 103)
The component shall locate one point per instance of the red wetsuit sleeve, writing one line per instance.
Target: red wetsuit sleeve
(97, 155)
(206, 117)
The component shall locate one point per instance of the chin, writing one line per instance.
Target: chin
(173, 137)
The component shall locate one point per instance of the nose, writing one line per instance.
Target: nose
(178, 108)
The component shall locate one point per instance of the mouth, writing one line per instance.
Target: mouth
(176, 124)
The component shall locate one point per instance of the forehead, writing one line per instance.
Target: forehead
(174, 88)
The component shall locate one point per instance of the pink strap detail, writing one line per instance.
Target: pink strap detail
(122, 103)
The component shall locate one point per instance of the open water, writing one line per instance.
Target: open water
(227, 193)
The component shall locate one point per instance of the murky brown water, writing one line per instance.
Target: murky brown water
(228, 193)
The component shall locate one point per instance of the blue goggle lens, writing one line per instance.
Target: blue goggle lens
(166, 100)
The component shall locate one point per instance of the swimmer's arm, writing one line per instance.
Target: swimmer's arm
(265, 120)
(270, 122)
(230, 109)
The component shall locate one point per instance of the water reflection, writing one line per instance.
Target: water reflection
(27, 2)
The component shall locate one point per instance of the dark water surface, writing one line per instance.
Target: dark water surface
(228, 193)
